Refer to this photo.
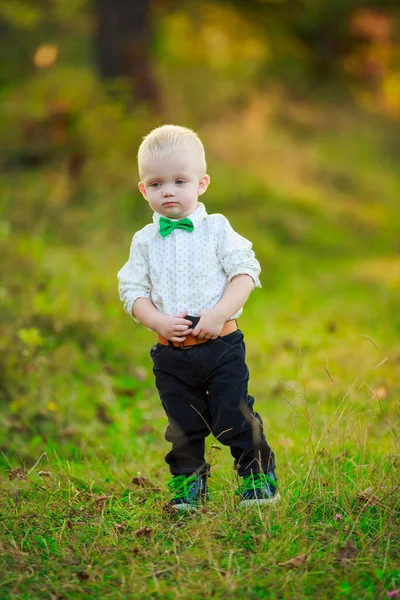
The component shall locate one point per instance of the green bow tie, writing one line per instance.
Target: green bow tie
(167, 225)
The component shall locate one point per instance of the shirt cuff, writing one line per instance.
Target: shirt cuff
(129, 305)
(253, 275)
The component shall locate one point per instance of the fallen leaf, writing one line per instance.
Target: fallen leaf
(145, 430)
(82, 576)
(68, 432)
(367, 496)
(295, 562)
(71, 524)
(100, 499)
(347, 553)
(142, 482)
(17, 473)
(127, 392)
(17, 426)
(341, 455)
(102, 416)
(45, 474)
(168, 509)
(143, 532)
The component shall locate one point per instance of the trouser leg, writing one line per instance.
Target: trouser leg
(185, 405)
(234, 422)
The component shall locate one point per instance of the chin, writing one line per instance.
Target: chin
(174, 213)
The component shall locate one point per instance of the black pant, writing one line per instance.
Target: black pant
(203, 389)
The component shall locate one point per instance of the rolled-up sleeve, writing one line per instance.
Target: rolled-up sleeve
(133, 278)
(236, 255)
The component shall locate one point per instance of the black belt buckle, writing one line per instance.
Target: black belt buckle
(194, 321)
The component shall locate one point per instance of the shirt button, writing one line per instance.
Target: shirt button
(181, 268)
(181, 299)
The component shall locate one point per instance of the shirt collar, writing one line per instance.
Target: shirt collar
(196, 216)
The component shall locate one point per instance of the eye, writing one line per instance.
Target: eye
(156, 184)
(179, 181)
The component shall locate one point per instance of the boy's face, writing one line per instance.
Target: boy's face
(172, 184)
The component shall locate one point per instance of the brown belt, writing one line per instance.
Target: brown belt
(191, 340)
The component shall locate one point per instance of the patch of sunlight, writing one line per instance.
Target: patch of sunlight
(214, 35)
(286, 442)
(271, 154)
(291, 163)
(372, 215)
(384, 270)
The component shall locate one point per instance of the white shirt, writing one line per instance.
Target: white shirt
(186, 270)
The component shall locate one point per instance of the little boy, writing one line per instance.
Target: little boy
(187, 278)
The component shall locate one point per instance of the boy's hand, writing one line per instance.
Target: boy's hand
(210, 325)
(175, 327)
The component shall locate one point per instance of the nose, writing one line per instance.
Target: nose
(168, 191)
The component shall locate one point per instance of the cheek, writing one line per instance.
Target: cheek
(191, 189)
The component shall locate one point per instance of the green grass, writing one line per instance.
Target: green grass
(81, 417)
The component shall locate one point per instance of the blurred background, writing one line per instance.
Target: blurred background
(298, 106)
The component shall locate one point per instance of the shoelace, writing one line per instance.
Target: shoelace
(180, 483)
(256, 481)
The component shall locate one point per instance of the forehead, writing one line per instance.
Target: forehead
(178, 162)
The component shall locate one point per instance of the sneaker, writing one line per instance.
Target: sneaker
(258, 488)
(188, 491)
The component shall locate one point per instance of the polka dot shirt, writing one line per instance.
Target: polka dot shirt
(186, 270)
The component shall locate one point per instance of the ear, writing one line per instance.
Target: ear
(142, 189)
(203, 184)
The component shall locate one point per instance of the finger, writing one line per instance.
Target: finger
(179, 328)
(197, 329)
(201, 334)
(181, 315)
(184, 322)
(178, 339)
(214, 337)
(183, 334)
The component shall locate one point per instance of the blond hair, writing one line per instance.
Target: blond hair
(165, 139)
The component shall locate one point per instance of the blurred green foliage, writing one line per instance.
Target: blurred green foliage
(314, 182)
(338, 46)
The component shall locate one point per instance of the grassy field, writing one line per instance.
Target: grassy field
(83, 481)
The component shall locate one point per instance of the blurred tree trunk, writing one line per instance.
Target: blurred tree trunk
(123, 45)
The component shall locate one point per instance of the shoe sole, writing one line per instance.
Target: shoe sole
(188, 507)
(259, 501)
(185, 507)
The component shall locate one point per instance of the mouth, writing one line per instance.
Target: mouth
(169, 203)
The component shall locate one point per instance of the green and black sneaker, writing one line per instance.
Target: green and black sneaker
(188, 491)
(258, 488)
